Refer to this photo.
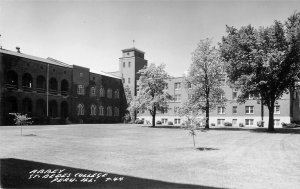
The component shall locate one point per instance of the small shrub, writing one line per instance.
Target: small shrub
(241, 125)
(213, 124)
(170, 123)
(227, 124)
(21, 119)
(260, 124)
(139, 121)
(158, 122)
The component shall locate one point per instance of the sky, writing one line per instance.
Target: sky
(93, 33)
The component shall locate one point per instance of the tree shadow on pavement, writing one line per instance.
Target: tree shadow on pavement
(17, 173)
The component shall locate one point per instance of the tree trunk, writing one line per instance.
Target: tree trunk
(271, 117)
(207, 115)
(153, 116)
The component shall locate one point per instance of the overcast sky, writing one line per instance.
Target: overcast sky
(93, 33)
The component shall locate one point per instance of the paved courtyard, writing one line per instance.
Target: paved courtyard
(225, 158)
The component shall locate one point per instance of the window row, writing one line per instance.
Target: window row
(41, 83)
(248, 122)
(110, 93)
(124, 64)
(102, 112)
(248, 110)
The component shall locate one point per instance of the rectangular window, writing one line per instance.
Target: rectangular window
(234, 109)
(189, 85)
(234, 122)
(80, 89)
(249, 122)
(250, 97)
(234, 95)
(176, 121)
(129, 64)
(249, 109)
(177, 97)
(177, 86)
(220, 122)
(277, 122)
(221, 110)
(123, 64)
(277, 109)
(128, 79)
(164, 121)
(222, 96)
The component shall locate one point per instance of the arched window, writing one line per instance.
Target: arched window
(53, 85)
(109, 93)
(12, 78)
(93, 109)
(80, 109)
(64, 87)
(101, 111)
(41, 84)
(27, 81)
(102, 92)
(53, 108)
(109, 111)
(41, 107)
(117, 95)
(64, 109)
(116, 111)
(27, 106)
(93, 91)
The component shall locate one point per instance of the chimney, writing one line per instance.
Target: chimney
(18, 49)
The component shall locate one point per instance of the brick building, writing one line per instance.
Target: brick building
(287, 108)
(53, 92)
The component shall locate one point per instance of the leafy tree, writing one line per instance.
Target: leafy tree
(263, 62)
(129, 113)
(206, 78)
(151, 95)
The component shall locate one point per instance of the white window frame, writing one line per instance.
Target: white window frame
(164, 121)
(221, 110)
(80, 109)
(234, 108)
(177, 97)
(93, 110)
(177, 86)
(177, 121)
(249, 109)
(80, 89)
(234, 122)
(277, 109)
(101, 111)
(220, 122)
(276, 122)
(249, 122)
(102, 92)
(93, 91)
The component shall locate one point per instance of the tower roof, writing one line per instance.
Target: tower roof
(133, 49)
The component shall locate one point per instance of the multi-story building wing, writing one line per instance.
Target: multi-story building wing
(51, 91)
(287, 108)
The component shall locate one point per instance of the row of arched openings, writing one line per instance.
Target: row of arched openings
(40, 107)
(27, 82)
(109, 111)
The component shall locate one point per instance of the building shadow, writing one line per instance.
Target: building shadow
(18, 173)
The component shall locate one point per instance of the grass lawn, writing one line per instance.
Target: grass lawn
(225, 158)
